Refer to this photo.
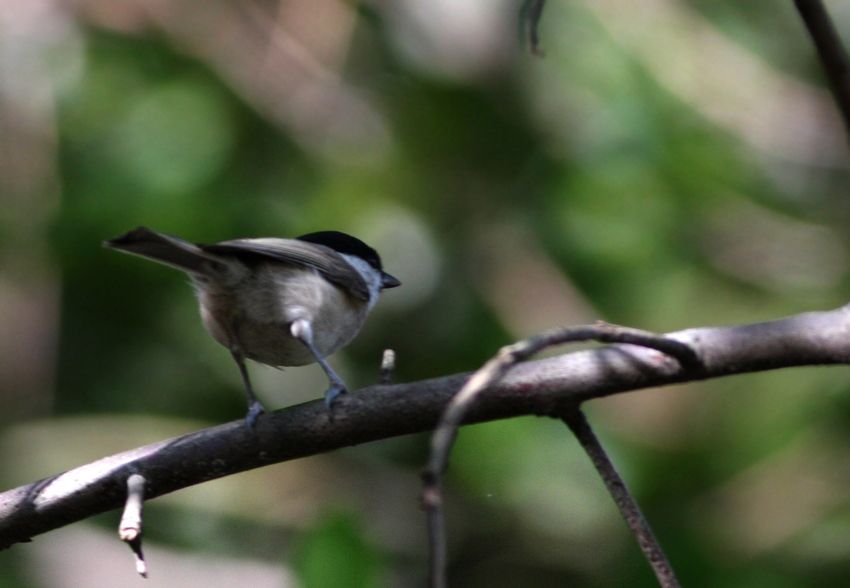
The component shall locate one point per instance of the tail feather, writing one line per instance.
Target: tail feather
(165, 249)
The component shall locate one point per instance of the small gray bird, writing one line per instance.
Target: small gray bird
(282, 302)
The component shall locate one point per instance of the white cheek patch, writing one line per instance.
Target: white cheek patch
(369, 274)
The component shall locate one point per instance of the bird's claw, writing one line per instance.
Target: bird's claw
(255, 409)
(332, 394)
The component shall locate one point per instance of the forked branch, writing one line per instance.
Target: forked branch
(490, 374)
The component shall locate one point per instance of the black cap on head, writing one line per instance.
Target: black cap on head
(344, 243)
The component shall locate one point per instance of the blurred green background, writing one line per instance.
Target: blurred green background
(667, 164)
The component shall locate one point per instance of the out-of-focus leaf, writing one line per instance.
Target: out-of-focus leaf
(335, 553)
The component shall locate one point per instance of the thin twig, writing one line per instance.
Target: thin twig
(532, 13)
(130, 527)
(833, 56)
(628, 506)
(385, 377)
(432, 502)
(492, 371)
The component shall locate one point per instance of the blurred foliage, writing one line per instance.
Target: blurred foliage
(665, 165)
(334, 553)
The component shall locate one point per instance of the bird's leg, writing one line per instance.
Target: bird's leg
(302, 330)
(255, 408)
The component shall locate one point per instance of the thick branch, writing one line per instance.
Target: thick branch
(832, 54)
(544, 387)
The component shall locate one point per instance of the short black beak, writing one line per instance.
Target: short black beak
(388, 281)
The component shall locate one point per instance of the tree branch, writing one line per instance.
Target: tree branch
(544, 387)
(626, 503)
(488, 376)
(832, 54)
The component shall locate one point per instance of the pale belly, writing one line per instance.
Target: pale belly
(273, 344)
(259, 318)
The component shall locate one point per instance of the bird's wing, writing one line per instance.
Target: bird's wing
(291, 251)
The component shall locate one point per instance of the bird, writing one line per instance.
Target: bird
(280, 302)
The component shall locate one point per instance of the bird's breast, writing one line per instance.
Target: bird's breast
(258, 314)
